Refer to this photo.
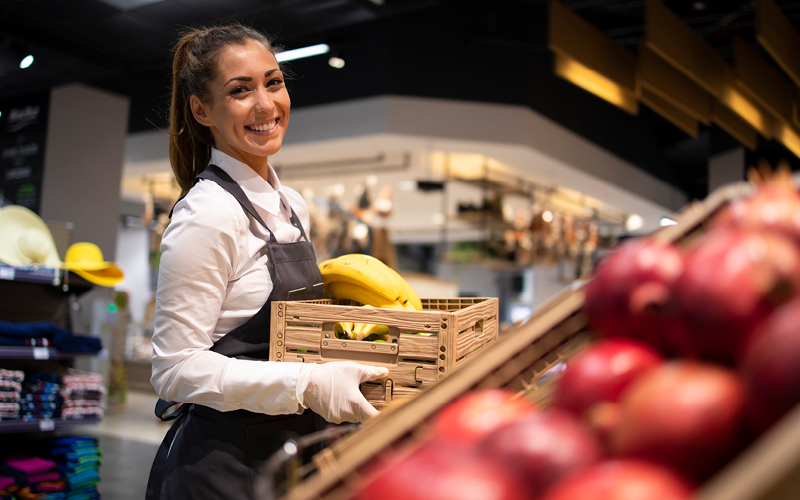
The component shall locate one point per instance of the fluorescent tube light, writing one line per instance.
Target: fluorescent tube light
(312, 50)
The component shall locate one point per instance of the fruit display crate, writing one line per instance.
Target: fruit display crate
(523, 361)
(423, 346)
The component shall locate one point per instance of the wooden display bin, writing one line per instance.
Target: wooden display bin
(423, 347)
(522, 361)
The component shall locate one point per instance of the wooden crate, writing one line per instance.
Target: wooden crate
(423, 347)
(522, 361)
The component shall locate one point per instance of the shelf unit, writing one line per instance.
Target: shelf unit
(18, 426)
(39, 293)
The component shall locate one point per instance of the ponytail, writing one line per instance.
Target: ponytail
(193, 69)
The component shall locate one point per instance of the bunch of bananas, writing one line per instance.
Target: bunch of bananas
(370, 282)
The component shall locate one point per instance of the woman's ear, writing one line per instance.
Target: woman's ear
(199, 111)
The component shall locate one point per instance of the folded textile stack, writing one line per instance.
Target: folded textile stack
(78, 459)
(40, 398)
(24, 476)
(10, 388)
(46, 333)
(82, 395)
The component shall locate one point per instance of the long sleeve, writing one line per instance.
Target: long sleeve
(201, 251)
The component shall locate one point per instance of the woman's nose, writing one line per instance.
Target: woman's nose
(263, 101)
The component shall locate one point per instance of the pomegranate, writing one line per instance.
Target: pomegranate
(685, 414)
(542, 447)
(775, 206)
(732, 280)
(475, 415)
(631, 291)
(601, 372)
(771, 366)
(622, 480)
(435, 471)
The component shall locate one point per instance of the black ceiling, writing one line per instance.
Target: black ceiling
(491, 51)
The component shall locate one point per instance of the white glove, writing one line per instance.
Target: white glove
(333, 390)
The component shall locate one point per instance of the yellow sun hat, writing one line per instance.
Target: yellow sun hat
(25, 239)
(86, 260)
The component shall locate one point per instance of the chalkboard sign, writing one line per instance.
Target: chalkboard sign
(23, 133)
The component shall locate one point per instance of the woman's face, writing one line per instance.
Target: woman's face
(249, 107)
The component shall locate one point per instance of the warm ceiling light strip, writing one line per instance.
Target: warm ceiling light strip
(749, 110)
(789, 137)
(762, 82)
(594, 82)
(661, 78)
(675, 42)
(590, 59)
(731, 123)
(674, 115)
(775, 32)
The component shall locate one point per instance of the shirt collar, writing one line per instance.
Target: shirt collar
(258, 191)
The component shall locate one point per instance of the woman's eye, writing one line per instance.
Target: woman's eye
(238, 90)
(273, 82)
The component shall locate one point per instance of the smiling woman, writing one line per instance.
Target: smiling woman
(237, 241)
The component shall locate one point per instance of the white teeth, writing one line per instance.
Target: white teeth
(263, 128)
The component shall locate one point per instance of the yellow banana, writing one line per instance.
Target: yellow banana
(362, 270)
(347, 290)
(407, 294)
(378, 332)
(361, 261)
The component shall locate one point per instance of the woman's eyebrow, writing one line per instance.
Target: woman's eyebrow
(248, 79)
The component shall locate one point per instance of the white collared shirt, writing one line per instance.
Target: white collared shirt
(213, 277)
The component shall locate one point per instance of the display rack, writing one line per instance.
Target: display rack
(18, 426)
(27, 352)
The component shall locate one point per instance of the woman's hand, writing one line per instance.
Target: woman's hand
(333, 391)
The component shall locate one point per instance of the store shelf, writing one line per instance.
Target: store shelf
(44, 275)
(25, 352)
(12, 426)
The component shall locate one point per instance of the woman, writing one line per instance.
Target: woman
(236, 243)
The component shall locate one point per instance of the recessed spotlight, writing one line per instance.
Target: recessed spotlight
(699, 6)
(26, 62)
(336, 62)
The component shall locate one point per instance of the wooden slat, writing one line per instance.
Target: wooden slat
(357, 346)
(762, 82)
(467, 317)
(418, 346)
(408, 374)
(404, 392)
(672, 85)
(424, 321)
(466, 343)
(672, 114)
(776, 34)
(299, 340)
(676, 43)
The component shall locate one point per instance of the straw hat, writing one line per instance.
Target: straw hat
(25, 239)
(86, 260)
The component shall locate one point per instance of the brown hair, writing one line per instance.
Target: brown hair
(193, 68)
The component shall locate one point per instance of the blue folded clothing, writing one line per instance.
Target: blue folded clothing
(61, 338)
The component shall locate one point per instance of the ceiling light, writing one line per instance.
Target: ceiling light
(547, 216)
(438, 219)
(312, 50)
(634, 222)
(26, 61)
(408, 185)
(699, 6)
(372, 180)
(666, 221)
(336, 62)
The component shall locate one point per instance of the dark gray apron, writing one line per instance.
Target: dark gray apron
(209, 454)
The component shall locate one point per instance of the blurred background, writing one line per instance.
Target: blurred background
(482, 149)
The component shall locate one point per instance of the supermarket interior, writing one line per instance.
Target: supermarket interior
(506, 250)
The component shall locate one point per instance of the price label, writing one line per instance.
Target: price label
(47, 425)
(41, 353)
(7, 273)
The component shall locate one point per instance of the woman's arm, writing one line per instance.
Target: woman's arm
(200, 252)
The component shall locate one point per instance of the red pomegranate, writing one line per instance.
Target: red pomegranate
(771, 366)
(435, 470)
(631, 290)
(601, 372)
(542, 447)
(685, 414)
(622, 480)
(475, 415)
(732, 280)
